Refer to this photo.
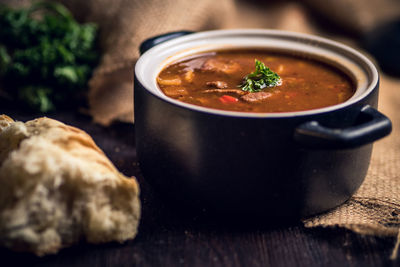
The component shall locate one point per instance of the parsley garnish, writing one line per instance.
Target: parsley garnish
(262, 77)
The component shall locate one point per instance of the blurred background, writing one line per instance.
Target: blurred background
(371, 26)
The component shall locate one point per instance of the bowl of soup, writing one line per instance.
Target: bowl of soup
(261, 123)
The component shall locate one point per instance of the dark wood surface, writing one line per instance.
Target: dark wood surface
(166, 239)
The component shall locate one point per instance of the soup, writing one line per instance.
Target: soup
(216, 79)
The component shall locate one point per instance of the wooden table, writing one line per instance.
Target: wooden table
(165, 239)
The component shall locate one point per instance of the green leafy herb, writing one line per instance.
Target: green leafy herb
(261, 78)
(46, 56)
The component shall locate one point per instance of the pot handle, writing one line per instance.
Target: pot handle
(153, 41)
(374, 125)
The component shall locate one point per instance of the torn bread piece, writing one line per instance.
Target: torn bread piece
(58, 188)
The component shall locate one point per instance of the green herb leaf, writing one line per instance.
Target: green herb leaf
(4, 59)
(68, 73)
(37, 98)
(261, 78)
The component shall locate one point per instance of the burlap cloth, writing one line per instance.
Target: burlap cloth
(124, 24)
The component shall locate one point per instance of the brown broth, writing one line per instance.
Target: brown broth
(306, 83)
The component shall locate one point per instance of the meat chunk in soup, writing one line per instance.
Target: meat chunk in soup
(256, 97)
(217, 84)
(226, 91)
(218, 65)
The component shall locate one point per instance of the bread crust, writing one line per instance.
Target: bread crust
(58, 188)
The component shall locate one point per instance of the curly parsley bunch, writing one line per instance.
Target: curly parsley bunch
(46, 56)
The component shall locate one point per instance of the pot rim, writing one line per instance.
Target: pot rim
(349, 60)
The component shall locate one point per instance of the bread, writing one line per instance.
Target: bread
(58, 188)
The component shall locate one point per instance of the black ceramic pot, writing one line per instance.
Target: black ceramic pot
(277, 165)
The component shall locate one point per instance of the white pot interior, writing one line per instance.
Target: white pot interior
(353, 63)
